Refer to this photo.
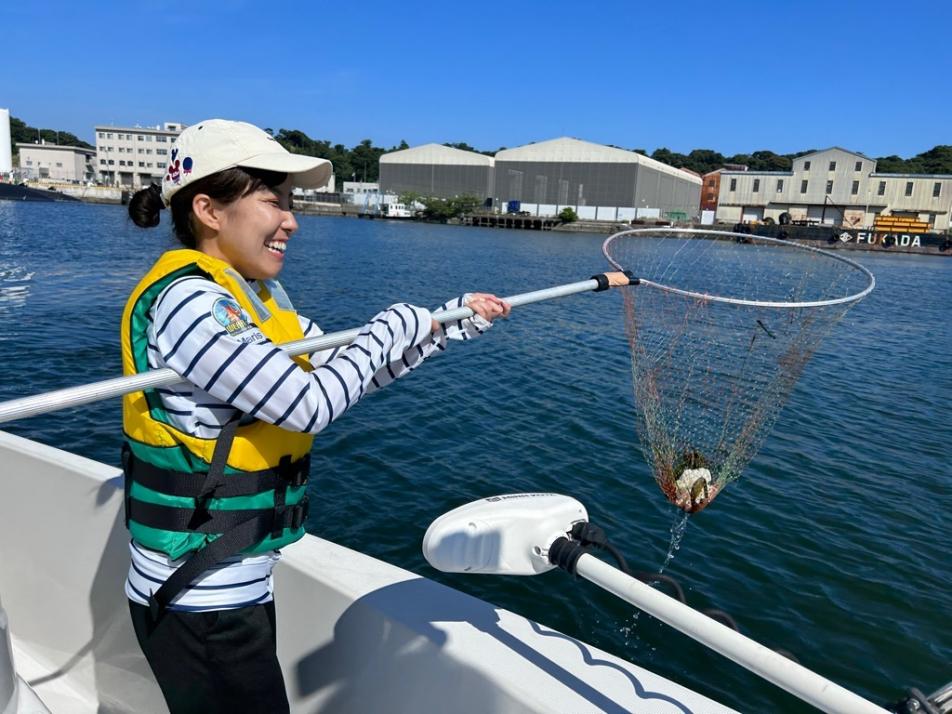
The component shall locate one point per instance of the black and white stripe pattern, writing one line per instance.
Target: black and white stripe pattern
(233, 583)
(244, 372)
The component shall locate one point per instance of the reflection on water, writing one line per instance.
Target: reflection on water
(14, 287)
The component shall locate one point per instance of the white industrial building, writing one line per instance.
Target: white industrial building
(437, 171)
(134, 156)
(836, 187)
(360, 187)
(52, 162)
(598, 182)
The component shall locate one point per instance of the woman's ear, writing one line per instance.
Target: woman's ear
(206, 211)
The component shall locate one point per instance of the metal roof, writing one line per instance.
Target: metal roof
(569, 150)
(436, 154)
(835, 148)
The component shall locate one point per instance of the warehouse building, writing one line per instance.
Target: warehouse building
(598, 182)
(437, 171)
(835, 187)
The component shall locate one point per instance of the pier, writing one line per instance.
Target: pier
(528, 223)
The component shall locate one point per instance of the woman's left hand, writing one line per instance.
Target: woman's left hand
(488, 306)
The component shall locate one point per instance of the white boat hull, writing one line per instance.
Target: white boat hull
(354, 634)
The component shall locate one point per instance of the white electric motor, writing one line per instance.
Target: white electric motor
(503, 535)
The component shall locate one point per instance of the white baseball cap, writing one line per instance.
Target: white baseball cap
(214, 145)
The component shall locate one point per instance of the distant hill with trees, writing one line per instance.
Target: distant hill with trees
(361, 162)
(22, 132)
(937, 160)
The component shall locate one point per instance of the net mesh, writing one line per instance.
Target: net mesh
(711, 376)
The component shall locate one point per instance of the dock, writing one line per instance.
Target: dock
(528, 223)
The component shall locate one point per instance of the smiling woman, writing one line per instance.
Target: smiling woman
(216, 466)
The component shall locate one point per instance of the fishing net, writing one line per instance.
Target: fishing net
(720, 328)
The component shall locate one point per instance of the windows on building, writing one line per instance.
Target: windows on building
(101, 135)
(756, 185)
(733, 184)
(806, 165)
(779, 185)
(111, 162)
(936, 189)
(881, 191)
(855, 188)
(829, 187)
(142, 164)
(161, 152)
(140, 137)
(803, 186)
(859, 166)
(832, 166)
(59, 164)
(163, 139)
(908, 188)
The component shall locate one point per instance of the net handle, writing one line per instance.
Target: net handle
(739, 301)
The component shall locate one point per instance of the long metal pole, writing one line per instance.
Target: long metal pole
(785, 673)
(85, 394)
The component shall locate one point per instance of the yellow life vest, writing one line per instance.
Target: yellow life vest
(266, 466)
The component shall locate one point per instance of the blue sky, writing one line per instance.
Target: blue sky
(735, 77)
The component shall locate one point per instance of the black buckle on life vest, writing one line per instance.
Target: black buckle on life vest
(201, 514)
(299, 471)
(292, 517)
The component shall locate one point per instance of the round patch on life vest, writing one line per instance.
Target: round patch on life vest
(229, 315)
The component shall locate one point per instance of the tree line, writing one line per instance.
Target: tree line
(23, 133)
(362, 162)
(937, 160)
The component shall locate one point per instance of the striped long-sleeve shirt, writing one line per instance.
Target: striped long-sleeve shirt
(245, 372)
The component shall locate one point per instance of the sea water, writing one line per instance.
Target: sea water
(834, 545)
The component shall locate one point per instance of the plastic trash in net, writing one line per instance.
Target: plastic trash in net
(720, 328)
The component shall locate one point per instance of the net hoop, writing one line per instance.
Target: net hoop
(687, 232)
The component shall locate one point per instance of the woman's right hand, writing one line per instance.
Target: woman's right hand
(486, 305)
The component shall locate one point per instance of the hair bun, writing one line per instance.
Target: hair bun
(144, 206)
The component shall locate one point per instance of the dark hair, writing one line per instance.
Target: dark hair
(225, 187)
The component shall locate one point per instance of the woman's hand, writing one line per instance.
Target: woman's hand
(486, 305)
(617, 279)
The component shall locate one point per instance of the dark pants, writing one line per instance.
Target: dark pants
(208, 662)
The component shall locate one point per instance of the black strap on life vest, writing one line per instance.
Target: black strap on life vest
(191, 485)
(239, 529)
(194, 520)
